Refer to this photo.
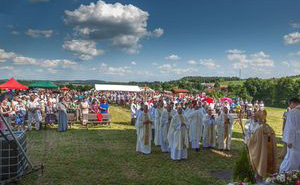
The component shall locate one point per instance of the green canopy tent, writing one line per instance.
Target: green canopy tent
(43, 84)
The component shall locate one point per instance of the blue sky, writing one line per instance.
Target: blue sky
(147, 40)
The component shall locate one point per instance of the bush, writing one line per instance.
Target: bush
(242, 170)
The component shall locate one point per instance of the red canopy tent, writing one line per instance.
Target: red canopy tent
(208, 100)
(64, 88)
(12, 83)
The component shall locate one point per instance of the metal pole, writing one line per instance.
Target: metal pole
(12, 134)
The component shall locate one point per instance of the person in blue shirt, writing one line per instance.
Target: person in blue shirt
(104, 106)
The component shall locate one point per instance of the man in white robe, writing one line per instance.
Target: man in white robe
(166, 118)
(133, 109)
(291, 137)
(157, 126)
(195, 129)
(178, 136)
(144, 132)
(224, 122)
(209, 133)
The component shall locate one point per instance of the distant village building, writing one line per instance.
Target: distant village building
(208, 85)
(180, 91)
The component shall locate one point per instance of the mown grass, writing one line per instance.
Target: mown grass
(106, 155)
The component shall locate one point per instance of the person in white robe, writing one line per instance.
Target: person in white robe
(291, 137)
(209, 133)
(224, 124)
(178, 136)
(157, 123)
(166, 118)
(144, 132)
(133, 109)
(250, 126)
(195, 129)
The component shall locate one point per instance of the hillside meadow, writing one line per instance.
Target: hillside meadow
(106, 155)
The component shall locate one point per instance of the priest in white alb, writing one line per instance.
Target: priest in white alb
(157, 123)
(178, 136)
(224, 122)
(209, 133)
(166, 118)
(144, 132)
(291, 137)
(195, 130)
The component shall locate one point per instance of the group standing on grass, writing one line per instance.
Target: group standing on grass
(174, 128)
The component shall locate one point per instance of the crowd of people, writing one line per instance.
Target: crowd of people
(28, 109)
(171, 122)
(175, 125)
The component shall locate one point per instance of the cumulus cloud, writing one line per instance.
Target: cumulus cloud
(105, 69)
(158, 32)
(192, 62)
(53, 71)
(241, 60)
(23, 60)
(85, 49)
(145, 73)
(292, 38)
(209, 63)
(173, 69)
(172, 57)
(133, 63)
(14, 32)
(123, 25)
(39, 33)
(295, 25)
(7, 68)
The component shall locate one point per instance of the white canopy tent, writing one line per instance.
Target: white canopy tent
(107, 87)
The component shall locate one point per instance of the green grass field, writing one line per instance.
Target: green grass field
(106, 155)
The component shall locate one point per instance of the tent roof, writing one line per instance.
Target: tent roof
(180, 91)
(12, 84)
(107, 87)
(64, 88)
(43, 84)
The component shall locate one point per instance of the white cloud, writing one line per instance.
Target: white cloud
(295, 25)
(297, 53)
(172, 57)
(22, 60)
(53, 71)
(123, 25)
(105, 69)
(257, 60)
(14, 32)
(85, 49)
(173, 69)
(6, 55)
(209, 63)
(158, 32)
(40, 70)
(145, 73)
(133, 63)
(7, 68)
(154, 63)
(192, 62)
(292, 38)
(39, 33)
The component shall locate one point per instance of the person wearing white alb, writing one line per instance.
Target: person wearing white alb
(291, 137)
